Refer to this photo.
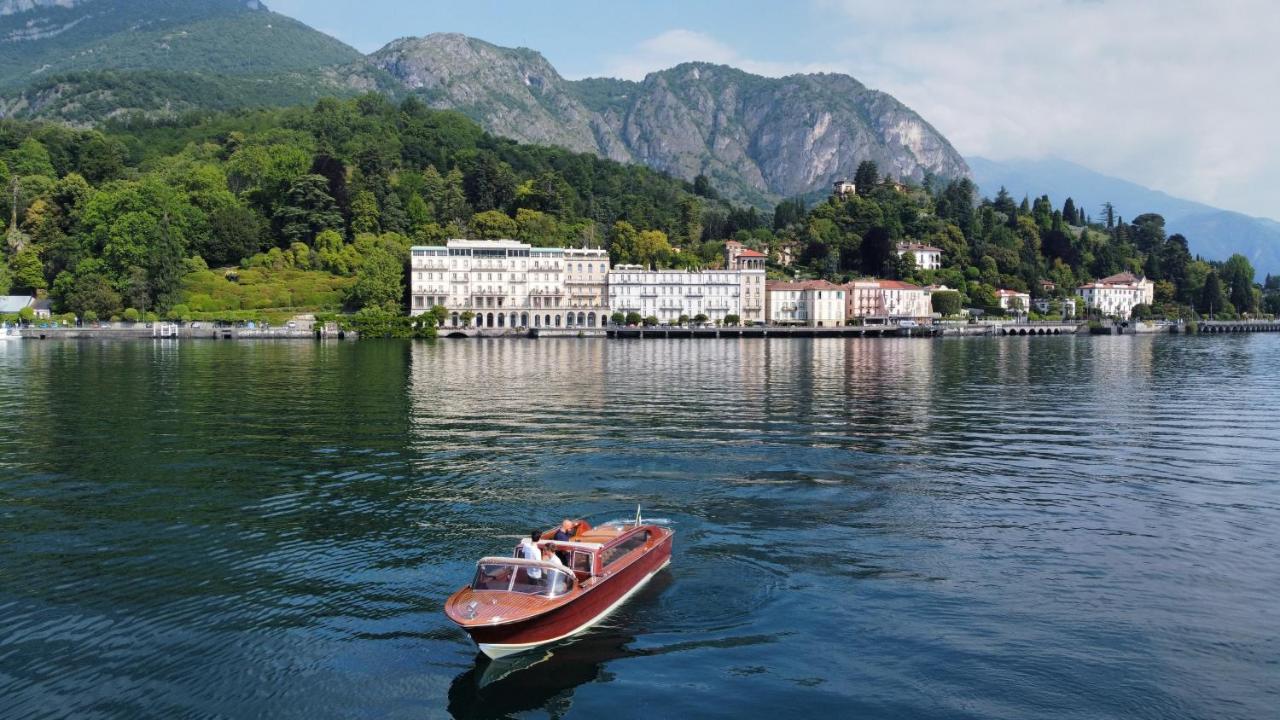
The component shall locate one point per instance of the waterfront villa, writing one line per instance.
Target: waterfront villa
(1118, 294)
(878, 302)
(669, 294)
(927, 257)
(1016, 302)
(509, 284)
(812, 303)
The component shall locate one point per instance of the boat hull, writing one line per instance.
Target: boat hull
(498, 641)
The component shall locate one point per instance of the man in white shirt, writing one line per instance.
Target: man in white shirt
(529, 551)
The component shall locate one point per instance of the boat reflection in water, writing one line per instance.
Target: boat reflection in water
(546, 678)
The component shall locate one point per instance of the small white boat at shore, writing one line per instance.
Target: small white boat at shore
(10, 333)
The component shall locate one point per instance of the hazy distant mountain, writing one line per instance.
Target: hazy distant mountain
(1213, 232)
(758, 138)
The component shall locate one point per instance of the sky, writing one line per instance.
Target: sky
(1178, 95)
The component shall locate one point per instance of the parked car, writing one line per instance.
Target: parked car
(908, 324)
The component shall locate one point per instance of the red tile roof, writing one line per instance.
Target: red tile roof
(1124, 278)
(751, 253)
(918, 246)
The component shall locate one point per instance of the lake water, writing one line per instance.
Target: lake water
(986, 528)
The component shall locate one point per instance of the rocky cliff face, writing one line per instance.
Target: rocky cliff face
(758, 138)
(514, 93)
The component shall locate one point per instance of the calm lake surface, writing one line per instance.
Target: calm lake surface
(986, 528)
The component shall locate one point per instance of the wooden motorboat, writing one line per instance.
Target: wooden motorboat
(514, 604)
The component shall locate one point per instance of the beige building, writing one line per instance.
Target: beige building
(508, 284)
(787, 253)
(884, 301)
(1118, 295)
(749, 265)
(812, 303)
(926, 257)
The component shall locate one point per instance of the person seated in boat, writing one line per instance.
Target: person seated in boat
(529, 551)
(567, 531)
(561, 579)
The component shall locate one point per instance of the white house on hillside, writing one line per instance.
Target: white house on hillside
(927, 257)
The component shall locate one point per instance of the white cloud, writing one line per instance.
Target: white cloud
(679, 45)
(1179, 95)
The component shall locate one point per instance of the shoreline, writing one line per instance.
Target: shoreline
(642, 333)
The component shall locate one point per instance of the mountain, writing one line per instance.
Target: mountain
(1213, 233)
(86, 60)
(757, 138)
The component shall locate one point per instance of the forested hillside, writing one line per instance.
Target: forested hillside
(133, 216)
(314, 208)
(1002, 243)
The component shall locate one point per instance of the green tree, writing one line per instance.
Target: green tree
(489, 183)
(307, 210)
(30, 158)
(89, 290)
(617, 318)
(732, 320)
(493, 225)
(1212, 299)
(624, 246)
(164, 265)
(652, 248)
(633, 318)
(690, 221)
(379, 282)
(788, 212)
(537, 228)
(365, 216)
(946, 303)
(1237, 273)
(28, 271)
(876, 252)
(866, 177)
(235, 232)
(439, 313)
(650, 321)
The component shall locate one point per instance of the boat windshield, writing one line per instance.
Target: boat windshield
(523, 579)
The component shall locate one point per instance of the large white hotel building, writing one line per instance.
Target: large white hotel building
(509, 284)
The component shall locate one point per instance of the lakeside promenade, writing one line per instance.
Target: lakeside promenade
(164, 331)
